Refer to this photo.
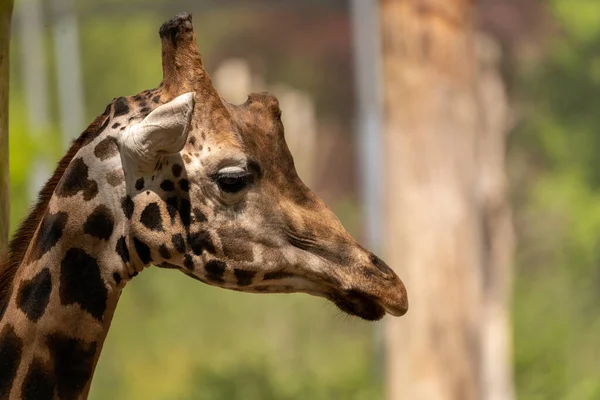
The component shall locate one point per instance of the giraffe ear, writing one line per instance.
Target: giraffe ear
(163, 131)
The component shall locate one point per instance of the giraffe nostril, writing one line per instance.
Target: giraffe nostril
(381, 265)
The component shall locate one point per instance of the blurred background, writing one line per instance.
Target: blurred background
(418, 122)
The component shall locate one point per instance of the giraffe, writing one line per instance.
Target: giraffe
(179, 178)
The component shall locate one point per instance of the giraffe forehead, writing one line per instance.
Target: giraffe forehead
(252, 128)
(246, 129)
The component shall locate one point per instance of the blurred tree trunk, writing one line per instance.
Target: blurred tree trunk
(5, 18)
(498, 234)
(448, 226)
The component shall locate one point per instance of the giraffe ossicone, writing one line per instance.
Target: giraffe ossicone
(175, 177)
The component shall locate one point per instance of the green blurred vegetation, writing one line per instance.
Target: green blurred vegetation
(555, 172)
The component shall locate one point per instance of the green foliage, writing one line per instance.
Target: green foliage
(25, 146)
(135, 61)
(556, 309)
(581, 20)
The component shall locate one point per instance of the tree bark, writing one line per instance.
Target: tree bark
(448, 229)
(5, 19)
(498, 234)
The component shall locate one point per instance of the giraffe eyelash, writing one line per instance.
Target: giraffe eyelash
(233, 182)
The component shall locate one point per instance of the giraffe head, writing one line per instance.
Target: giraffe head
(212, 190)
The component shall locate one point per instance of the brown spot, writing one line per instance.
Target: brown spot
(128, 206)
(201, 241)
(81, 283)
(164, 252)
(120, 107)
(199, 216)
(49, 233)
(11, 348)
(139, 184)
(122, 249)
(76, 180)
(214, 270)
(176, 169)
(73, 362)
(151, 217)
(100, 223)
(115, 177)
(236, 246)
(39, 383)
(106, 149)
(244, 277)
(188, 262)
(178, 242)
(184, 185)
(34, 295)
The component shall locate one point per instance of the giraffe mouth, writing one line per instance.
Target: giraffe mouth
(359, 304)
(351, 301)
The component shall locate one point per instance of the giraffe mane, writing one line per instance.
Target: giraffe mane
(22, 238)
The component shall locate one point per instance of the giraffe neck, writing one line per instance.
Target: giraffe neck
(66, 289)
(56, 322)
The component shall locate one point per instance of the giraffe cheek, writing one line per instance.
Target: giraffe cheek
(238, 246)
(201, 241)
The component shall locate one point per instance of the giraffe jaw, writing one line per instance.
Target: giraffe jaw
(366, 306)
(352, 301)
(358, 304)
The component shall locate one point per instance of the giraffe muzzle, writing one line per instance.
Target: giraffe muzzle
(375, 291)
(395, 302)
(393, 298)
(364, 294)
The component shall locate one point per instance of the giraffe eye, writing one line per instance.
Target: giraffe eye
(233, 182)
